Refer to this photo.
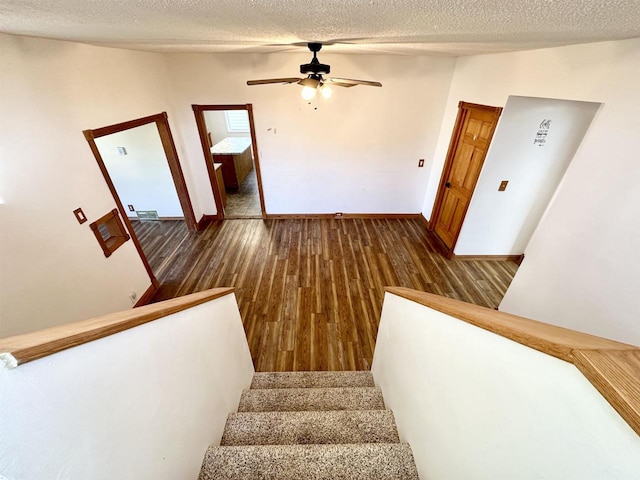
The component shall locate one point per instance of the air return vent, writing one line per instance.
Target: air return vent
(147, 215)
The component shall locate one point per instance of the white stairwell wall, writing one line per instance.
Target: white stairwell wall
(473, 404)
(143, 403)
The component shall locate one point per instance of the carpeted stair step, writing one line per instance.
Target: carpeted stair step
(308, 399)
(288, 428)
(311, 462)
(312, 379)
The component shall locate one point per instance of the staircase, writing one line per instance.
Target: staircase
(310, 425)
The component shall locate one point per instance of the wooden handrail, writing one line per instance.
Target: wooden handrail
(550, 339)
(613, 368)
(31, 346)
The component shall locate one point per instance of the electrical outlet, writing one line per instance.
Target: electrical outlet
(503, 185)
(421, 162)
(133, 296)
(131, 209)
(339, 214)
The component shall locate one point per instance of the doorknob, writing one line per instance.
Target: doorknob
(448, 185)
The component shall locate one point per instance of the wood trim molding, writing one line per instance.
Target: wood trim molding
(146, 297)
(549, 339)
(123, 213)
(166, 138)
(198, 112)
(176, 171)
(426, 222)
(116, 231)
(513, 258)
(256, 159)
(201, 124)
(285, 216)
(476, 106)
(206, 220)
(235, 106)
(162, 123)
(612, 367)
(616, 375)
(455, 135)
(119, 127)
(31, 346)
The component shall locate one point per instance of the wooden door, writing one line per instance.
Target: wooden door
(469, 144)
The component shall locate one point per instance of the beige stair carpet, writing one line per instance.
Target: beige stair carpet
(310, 425)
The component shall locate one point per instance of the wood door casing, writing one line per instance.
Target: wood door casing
(164, 131)
(468, 148)
(206, 143)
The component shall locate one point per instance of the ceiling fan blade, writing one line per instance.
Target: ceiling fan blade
(273, 80)
(309, 82)
(346, 85)
(353, 82)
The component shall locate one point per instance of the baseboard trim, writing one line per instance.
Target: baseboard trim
(513, 258)
(285, 216)
(204, 221)
(146, 297)
(426, 222)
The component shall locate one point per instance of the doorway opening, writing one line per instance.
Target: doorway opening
(227, 136)
(468, 148)
(140, 165)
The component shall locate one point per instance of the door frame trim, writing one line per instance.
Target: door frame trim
(162, 123)
(463, 107)
(198, 111)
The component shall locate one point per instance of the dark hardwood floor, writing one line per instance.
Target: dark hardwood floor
(159, 240)
(310, 291)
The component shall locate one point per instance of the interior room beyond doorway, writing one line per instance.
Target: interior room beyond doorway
(230, 144)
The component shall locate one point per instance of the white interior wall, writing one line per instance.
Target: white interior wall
(217, 125)
(501, 223)
(581, 268)
(52, 269)
(358, 152)
(473, 404)
(325, 160)
(143, 403)
(142, 177)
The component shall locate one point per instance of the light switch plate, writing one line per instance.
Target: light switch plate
(503, 185)
(80, 216)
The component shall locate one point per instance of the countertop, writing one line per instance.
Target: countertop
(231, 146)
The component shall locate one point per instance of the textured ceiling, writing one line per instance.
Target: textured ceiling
(413, 27)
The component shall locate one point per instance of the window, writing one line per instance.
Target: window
(237, 121)
(109, 232)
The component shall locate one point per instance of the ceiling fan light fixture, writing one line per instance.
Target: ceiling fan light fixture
(314, 79)
(326, 91)
(311, 81)
(308, 93)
